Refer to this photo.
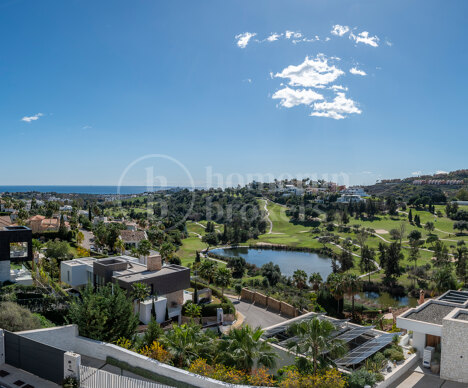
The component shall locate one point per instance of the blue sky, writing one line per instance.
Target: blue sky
(116, 80)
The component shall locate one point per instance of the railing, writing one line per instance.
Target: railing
(96, 378)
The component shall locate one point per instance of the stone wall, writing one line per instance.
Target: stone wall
(454, 357)
(247, 295)
(274, 304)
(288, 310)
(261, 299)
(266, 301)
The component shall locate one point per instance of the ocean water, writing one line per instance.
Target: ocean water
(79, 189)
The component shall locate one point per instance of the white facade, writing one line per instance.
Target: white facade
(349, 198)
(78, 272)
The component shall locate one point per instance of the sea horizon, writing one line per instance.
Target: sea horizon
(81, 189)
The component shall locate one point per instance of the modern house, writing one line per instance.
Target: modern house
(442, 321)
(166, 283)
(350, 198)
(15, 246)
(39, 224)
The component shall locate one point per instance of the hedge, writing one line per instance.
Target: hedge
(210, 310)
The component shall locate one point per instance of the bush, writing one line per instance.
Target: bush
(394, 354)
(209, 310)
(361, 378)
(13, 317)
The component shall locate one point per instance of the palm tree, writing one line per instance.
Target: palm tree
(244, 349)
(192, 310)
(300, 278)
(336, 286)
(352, 286)
(314, 339)
(119, 246)
(140, 292)
(144, 248)
(315, 280)
(208, 269)
(187, 342)
(223, 278)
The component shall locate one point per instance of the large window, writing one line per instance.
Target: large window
(18, 250)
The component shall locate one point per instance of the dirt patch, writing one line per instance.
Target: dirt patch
(381, 231)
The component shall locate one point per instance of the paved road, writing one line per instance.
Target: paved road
(257, 316)
(87, 238)
(419, 377)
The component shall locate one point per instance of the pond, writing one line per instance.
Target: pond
(385, 299)
(288, 261)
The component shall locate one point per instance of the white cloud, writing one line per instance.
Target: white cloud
(244, 38)
(274, 36)
(339, 30)
(338, 87)
(293, 97)
(86, 127)
(363, 37)
(441, 172)
(35, 117)
(313, 72)
(292, 34)
(338, 109)
(416, 173)
(388, 43)
(356, 71)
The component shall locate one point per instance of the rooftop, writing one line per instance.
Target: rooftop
(462, 315)
(138, 272)
(458, 297)
(431, 312)
(132, 235)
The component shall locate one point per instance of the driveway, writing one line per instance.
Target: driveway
(419, 377)
(87, 238)
(257, 316)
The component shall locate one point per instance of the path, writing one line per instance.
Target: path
(268, 216)
(256, 316)
(198, 235)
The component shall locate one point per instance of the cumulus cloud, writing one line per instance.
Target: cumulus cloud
(339, 30)
(293, 97)
(35, 117)
(274, 36)
(363, 37)
(441, 172)
(337, 109)
(244, 38)
(292, 34)
(416, 173)
(313, 72)
(357, 71)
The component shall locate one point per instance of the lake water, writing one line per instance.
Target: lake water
(384, 299)
(288, 261)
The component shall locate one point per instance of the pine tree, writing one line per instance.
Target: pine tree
(410, 216)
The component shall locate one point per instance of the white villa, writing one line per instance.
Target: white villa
(442, 321)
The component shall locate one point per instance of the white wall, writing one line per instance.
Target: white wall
(78, 274)
(4, 271)
(66, 338)
(419, 342)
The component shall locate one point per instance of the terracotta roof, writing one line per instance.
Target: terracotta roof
(5, 221)
(132, 235)
(37, 217)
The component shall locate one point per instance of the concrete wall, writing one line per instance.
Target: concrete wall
(145, 310)
(419, 342)
(176, 297)
(4, 271)
(454, 357)
(399, 371)
(66, 338)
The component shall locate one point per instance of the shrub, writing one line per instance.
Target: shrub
(13, 317)
(331, 378)
(157, 352)
(361, 378)
(209, 310)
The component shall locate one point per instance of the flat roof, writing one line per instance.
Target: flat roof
(457, 297)
(462, 315)
(431, 312)
(130, 276)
